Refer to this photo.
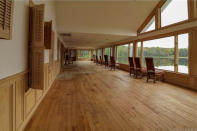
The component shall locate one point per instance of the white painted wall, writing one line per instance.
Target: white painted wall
(13, 53)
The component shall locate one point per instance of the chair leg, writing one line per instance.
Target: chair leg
(147, 78)
(154, 78)
(136, 74)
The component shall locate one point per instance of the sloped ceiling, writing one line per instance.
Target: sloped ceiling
(97, 23)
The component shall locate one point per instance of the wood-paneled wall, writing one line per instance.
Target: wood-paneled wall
(18, 106)
(173, 78)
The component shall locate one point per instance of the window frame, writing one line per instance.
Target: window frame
(127, 53)
(157, 13)
(175, 48)
(183, 21)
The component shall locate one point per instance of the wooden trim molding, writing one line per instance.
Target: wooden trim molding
(150, 16)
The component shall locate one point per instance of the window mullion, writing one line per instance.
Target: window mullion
(176, 53)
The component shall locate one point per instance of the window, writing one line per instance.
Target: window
(162, 51)
(107, 51)
(174, 11)
(131, 50)
(94, 52)
(84, 54)
(99, 53)
(6, 14)
(183, 53)
(138, 49)
(122, 54)
(150, 26)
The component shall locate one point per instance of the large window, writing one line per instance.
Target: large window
(174, 11)
(122, 54)
(138, 49)
(162, 50)
(183, 53)
(107, 51)
(99, 53)
(84, 54)
(150, 26)
(131, 50)
(94, 52)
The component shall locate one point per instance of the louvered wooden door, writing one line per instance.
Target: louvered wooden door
(37, 47)
(6, 14)
(51, 53)
(48, 35)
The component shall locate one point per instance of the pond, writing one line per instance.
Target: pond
(167, 63)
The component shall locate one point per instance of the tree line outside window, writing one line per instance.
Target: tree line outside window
(84, 54)
(162, 50)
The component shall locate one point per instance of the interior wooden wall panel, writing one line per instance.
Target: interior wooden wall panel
(30, 101)
(6, 106)
(19, 99)
(16, 105)
(39, 94)
(173, 78)
(46, 76)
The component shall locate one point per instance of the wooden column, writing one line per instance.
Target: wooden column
(176, 53)
(192, 9)
(116, 53)
(141, 52)
(193, 53)
(102, 53)
(129, 50)
(158, 19)
(91, 55)
(113, 51)
(134, 48)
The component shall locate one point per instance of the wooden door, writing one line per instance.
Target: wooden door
(37, 48)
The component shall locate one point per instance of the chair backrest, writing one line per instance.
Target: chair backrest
(67, 57)
(131, 63)
(100, 58)
(106, 58)
(112, 59)
(149, 64)
(96, 58)
(137, 62)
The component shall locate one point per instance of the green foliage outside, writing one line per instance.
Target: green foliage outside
(162, 56)
(84, 54)
(107, 52)
(165, 56)
(122, 54)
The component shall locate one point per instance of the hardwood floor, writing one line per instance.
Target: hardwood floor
(86, 97)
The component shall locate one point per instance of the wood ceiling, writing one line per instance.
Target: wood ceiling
(99, 23)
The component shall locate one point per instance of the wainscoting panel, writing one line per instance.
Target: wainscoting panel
(30, 101)
(19, 99)
(18, 102)
(6, 106)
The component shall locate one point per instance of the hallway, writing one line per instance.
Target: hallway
(88, 97)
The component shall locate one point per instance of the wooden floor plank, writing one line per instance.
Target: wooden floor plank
(86, 97)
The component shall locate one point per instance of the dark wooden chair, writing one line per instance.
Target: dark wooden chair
(97, 61)
(131, 66)
(67, 58)
(101, 61)
(153, 73)
(93, 58)
(112, 63)
(106, 61)
(138, 68)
